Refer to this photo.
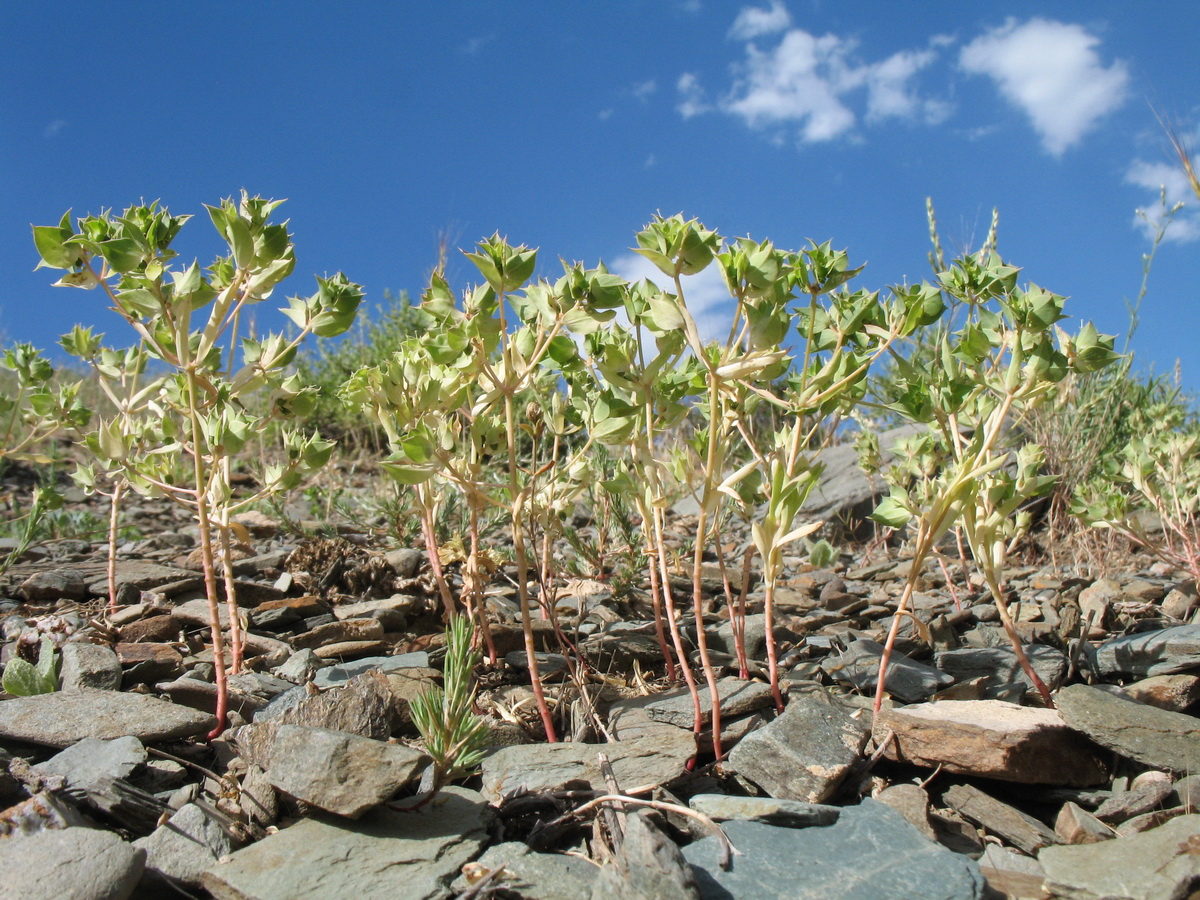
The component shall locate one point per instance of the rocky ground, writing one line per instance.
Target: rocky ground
(963, 787)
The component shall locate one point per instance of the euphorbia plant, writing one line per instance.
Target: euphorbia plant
(1159, 472)
(203, 399)
(135, 423)
(1007, 356)
(32, 411)
(446, 422)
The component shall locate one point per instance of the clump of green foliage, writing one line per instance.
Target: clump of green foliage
(24, 679)
(189, 321)
(327, 363)
(455, 737)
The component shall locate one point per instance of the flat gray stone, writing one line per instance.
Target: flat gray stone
(1020, 830)
(1156, 737)
(343, 672)
(54, 584)
(67, 717)
(364, 706)
(182, 849)
(74, 863)
(91, 759)
(87, 665)
(908, 681)
(999, 665)
(386, 853)
(768, 810)
(547, 876)
(1156, 865)
(1162, 652)
(145, 575)
(529, 768)
(871, 852)
(912, 802)
(342, 773)
(737, 698)
(805, 754)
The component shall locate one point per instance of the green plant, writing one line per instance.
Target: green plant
(24, 679)
(200, 409)
(1159, 473)
(1006, 357)
(31, 526)
(455, 737)
(32, 409)
(822, 554)
(327, 363)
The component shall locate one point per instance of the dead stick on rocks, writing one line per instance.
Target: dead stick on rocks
(728, 851)
(615, 826)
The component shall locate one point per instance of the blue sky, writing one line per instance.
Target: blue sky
(566, 125)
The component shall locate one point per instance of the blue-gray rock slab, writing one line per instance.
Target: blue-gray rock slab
(182, 849)
(870, 853)
(1155, 737)
(547, 876)
(530, 768)
(768, 810)
(1157, 864)
(907, 680)
(77, 863)
(1162, 652)
(67, 717)
(343, 672)
(336, 771)
(87, 665)
(85, 763)
(806, 753)
(1000, 666)
(386, 853)
(737, 698)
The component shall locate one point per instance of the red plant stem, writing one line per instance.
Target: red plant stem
(769, 638)
(236, 644)
(477, 599)
(741, 646)
(673, 618)
(214, 614)
(1011, 630)
(886, 657)
(659, 629)
(431, 550)
(737, 616)
(113, 520)
(949, 581)
(710, 675)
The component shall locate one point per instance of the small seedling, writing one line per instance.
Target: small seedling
(23, 679)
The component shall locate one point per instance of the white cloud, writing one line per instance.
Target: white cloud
(799, 81)
(54, 128)
(1051, 71)
(754, 21)
(651, 162)
(605, 114)
(705, 294)
(1165, 180)
(813, 84)
(890, 92)
(693, 101)
(643, 89)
